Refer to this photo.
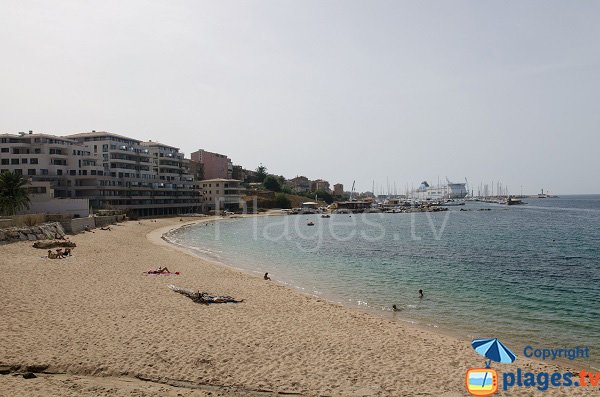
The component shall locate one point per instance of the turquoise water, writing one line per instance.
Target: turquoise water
(527, 274)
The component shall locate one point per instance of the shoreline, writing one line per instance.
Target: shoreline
(104, 328)
(428, 326)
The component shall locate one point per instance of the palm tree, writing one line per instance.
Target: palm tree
(13, 193)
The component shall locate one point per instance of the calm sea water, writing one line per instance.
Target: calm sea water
(526, 274)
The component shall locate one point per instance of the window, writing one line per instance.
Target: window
(14, 161)
(33, 161)
(4, 150)
(44, 171)
(72, 172)
(105, 148)
(4, 161)
(31, 171)
(23, 161)
(59, 172)
(37, 151)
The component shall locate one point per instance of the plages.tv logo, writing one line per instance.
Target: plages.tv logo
(484, 381)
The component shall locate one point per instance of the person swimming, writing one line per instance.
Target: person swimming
(421, 294)
(395, 309)
(266, 277)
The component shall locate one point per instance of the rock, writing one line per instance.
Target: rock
(31, 237)
(29, 375)
(22, 236)
(59, 229)
(54, 243)
(2, 236)
(36, 368)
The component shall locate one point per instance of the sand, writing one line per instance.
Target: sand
(95, 325)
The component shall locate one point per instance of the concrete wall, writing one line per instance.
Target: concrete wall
(73, 207)
(6, 222)
(77, 225)
(103, 221)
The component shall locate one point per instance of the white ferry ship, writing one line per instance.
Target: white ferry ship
(449, 191)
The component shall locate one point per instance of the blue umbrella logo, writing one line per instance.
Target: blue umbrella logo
(493, 350)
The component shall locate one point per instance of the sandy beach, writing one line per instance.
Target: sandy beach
(95, 325)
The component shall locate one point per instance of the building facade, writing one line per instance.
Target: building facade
(299, 184)
(338, 189)
(215, 165)
(221, 194)
(112, 171)
(319, 185)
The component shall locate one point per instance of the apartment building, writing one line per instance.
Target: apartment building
(214, 165)
(319, 185)
(112, 171)
(338, 189)
(299, 184)
(221, 194)
(69, 166)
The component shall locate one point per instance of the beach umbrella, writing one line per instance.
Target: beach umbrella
(494, 350)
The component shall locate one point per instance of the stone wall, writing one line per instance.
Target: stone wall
(46, 231)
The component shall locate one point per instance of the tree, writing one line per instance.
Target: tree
(282, 201)
(13, 193)
(325, 196)
(271, 183)
(261, 173)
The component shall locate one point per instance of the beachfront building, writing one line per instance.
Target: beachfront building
(215, 165)
(338, 189)
(69, 166)
(299, 184)
(110, 170)
(221, 194)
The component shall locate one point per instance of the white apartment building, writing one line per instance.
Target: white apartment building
(221, 194)
(112, 171)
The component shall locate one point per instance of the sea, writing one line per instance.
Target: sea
(526, 274)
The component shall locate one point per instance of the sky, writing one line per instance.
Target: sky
(384, 92)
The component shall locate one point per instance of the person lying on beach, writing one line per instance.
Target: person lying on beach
(67, 252)
(205, 299)
(106, 228)
(59, 253)
(51, 255)
(267, 277)
(159, 270)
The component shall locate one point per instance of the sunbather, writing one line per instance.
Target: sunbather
(51, 255)
(160, 270)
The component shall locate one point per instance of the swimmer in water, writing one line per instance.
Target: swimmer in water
(421, 294)
(395, 309)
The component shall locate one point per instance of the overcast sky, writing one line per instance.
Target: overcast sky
(341, 90)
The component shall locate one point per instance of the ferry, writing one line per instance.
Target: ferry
(439, 193)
